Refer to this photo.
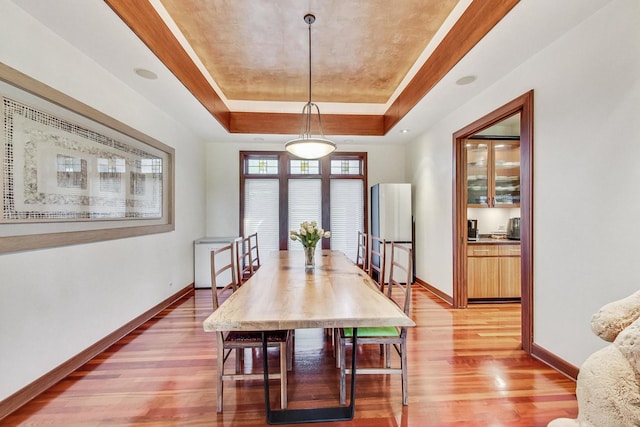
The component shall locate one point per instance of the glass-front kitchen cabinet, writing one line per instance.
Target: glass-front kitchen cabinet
(493, 173)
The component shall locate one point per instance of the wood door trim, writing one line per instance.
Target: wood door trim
(476, 22)
(523, 105)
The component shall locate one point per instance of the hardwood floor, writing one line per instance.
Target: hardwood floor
(465, 369)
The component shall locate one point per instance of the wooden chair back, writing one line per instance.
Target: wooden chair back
(400, 269)
(244, 263)
(222, 267)
(255, 252)
(362, 254)
(377, 260)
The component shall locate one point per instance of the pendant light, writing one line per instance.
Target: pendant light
(307, 146)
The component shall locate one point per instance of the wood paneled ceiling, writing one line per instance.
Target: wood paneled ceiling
(259, 50)
(225, 51)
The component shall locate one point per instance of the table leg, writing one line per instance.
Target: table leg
(309, 415)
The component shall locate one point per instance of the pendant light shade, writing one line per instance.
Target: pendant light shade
(307, 146)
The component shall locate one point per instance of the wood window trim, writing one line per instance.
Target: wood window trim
(283, 176)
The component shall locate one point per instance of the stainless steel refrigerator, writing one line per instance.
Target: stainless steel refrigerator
(391, 217)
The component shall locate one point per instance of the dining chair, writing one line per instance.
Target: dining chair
(222, 265)
(362, 254)
(399, 291)
(244, 263)
(376, 263)
(362, 260)
(378, 251)
(377, 260)
(255, 252)
(247, 263)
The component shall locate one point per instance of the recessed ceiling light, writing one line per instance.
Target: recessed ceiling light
(466, 80)
(405, 130)
(146, 74)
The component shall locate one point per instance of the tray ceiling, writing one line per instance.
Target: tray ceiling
(258, 50)
(242, 59)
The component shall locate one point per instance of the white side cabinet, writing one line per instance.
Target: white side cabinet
(202, 259)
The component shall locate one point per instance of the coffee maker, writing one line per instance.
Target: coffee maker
(472, 229)
(513, 229)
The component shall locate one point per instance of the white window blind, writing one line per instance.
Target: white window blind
(305, 204)
(261, 213)
(347, 217)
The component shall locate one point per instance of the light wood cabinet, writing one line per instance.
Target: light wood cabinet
(493, 173)
(509, 277)
(493, 271)
(484, 277)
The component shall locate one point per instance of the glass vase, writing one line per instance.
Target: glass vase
(309, 258)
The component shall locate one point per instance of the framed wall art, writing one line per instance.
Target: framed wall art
(71, 174)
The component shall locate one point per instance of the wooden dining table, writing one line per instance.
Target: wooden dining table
(284, 295)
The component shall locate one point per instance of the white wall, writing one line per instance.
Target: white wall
(386, 163)
(586, 171)
(429, 161)
(54, 303)
(491, 220)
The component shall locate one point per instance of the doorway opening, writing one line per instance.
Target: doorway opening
(523, 106)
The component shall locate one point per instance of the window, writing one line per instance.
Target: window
(262, 166)
(347, 216)
(278, 192)
(304, 167)
(305, 204)
(346, 167)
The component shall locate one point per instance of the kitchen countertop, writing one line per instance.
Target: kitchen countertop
(492, 241)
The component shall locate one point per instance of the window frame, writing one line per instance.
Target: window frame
(283, 177)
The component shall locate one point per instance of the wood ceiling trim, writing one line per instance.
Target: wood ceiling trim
(145, 22)
(281, 123)
(476, 21)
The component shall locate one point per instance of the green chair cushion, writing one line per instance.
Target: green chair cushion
(380, 331)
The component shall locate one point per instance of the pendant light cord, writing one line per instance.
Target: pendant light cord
(310, 61)
(307, 146)
(309, 19)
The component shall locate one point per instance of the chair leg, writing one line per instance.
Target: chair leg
(387, 355)
(239, 360)
(290, 351)
(403, 360)
(220, 373)
(284, 346)
(342, 344)
(336, 346)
